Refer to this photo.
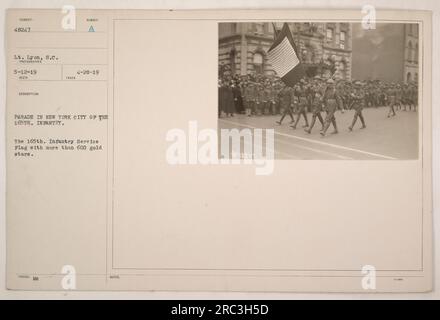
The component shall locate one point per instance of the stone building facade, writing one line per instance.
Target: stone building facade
(411, 63)
(324, 48)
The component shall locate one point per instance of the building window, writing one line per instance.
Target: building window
(342, 70)
(232, 56)
(258, 61)
(342, 40)
(408, 77)
(416, 53)
(409, 54)
(329, 34)
(258, 28)
(309, 54)
(270, 28)
(234, 28)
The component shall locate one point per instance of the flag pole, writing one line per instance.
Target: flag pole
(275, 30)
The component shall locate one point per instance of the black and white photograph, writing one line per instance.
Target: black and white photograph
(329, 90)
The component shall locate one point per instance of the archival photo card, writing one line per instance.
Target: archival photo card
(171, 150)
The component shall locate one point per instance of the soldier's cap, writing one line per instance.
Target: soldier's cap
(330, 81)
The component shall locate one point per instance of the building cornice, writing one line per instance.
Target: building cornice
(336, 49)
(260, 37)
(229, 38)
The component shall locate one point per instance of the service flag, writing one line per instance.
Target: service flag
(284, 58)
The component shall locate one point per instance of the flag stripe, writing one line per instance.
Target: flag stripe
(283, 57)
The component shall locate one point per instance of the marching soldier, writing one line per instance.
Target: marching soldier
(332, 103)
(340, 92)
(310, 93)
(391, 99)
(359, 100)
(316, 111)
(341, 89)
(285, 96)
(301, 94)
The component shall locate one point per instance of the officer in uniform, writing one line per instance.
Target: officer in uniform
(310, 93)
(301, 94)
(285, 96)
(316, 110)
(332, 102)
(358, 104)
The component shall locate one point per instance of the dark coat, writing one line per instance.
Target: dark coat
(238, 99)
(226, 97)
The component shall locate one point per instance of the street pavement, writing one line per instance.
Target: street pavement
(383, 139)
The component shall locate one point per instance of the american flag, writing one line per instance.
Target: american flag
(284, 59)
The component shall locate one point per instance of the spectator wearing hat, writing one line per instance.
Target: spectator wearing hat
(238, 99)
(273, 92)
(227, 97)
(266, 98)
(220, 97)
(414, 97)
(399, 97)
(259, 99)
(249, 98)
